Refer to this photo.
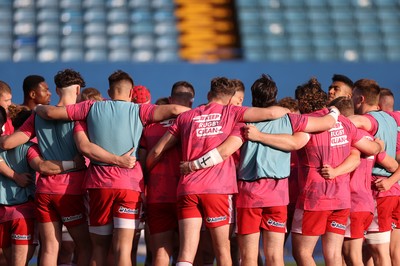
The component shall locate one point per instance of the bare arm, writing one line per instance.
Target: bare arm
(22, 180)
(368, 147)
(226, 149)
(348, 165)
(166, 142)
(13, 140)
(255, 114)
(361, 122)
(163, 112)
(284, 142)
(50, 112)
(391, 165)
(97, 153)
(51, 167)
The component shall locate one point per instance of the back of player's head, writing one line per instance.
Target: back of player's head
(115, 78)
(221, 87)
(264, 91)
(30, 83)
(19, 115)
(369, 89)
(181, 84)
(342, 78)
(3, 118)
(385, 92)
(344, 104)
(310, 96)
(68, 77)
(4, 88)
(289, 103)
(90, 94)
(239, 86)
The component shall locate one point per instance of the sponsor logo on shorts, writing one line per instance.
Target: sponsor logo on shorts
(275, 223)
(72, 218)
(216, 219)
(21, 237)
(338, 226)
(128, 211)
(394, 226)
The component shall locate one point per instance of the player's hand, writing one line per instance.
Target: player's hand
(79, 161)
(126, 160)
(328, 172)
(250, 132)
(383, 184)
(381, 143)
(185, 168)
(22, 180)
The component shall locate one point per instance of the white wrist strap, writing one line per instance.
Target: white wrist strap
(68, 165)
(209, 159)
(333, 111)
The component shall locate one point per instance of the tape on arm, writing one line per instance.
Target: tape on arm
(207, 160)
(334, 112)
(68, 165)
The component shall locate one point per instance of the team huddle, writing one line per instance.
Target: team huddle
(209, 182)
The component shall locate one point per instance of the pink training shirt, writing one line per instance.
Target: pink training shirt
(105, 176)
(65, 183)
(199, 131)
(330, 147)
(163, 179)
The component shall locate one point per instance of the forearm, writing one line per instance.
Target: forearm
(163, 112)
(317, 124)
(387, 162)
(5, 170)
(256, 114)
(50, 112)
(349, 164)
(284, 142)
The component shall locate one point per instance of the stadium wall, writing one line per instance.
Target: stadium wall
(159, 77)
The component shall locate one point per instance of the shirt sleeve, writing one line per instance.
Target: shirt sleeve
(28, 127)
(146, 113)
(299, 122)
(33, 152)
(374, 124)
(79, 111)
(80, 126)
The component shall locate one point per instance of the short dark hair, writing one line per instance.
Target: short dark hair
(369, 89)
(344, 104)
(30, 83)
(386, 92)
(118, 76)
(182, 83)
(4, 87)
(289, 103)
(264, 91)
(221, 86)
(68, 77)
(342, 78)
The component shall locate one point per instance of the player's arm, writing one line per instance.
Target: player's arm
(368, 147)
(21, 179)
(323, 123)
(166, 142)
(284, 142)
(348, 165)
(256, 114)
(162, 112)
(214, 156)
(50, 112)
(97, 153)
(15, 139)
(391, 165)
(361, 122)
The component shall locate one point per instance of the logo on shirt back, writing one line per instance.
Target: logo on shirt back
(208, 125)
(338, 135)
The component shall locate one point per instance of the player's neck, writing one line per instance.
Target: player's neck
(67, 99)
